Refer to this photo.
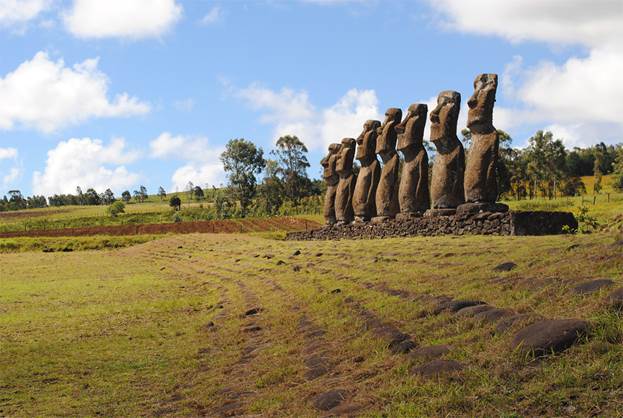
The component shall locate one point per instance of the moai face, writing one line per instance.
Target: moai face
(481, 103)
(328, 162)
(386, 139)
(445, 116)
(366, 142)
(411, 130)
(344, 164)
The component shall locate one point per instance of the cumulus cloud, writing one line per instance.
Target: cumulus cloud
(13, 171)
(47, 95)
(291, 112)
(133, 19)
(202, 165)
(86, 162)
(21, 11)
(580, 95)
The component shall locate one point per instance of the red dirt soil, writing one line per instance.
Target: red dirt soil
(284, 223)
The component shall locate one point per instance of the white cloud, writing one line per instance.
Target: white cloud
(8, 153)
(47, 95)
(202, 162)
(581, 97)
(184, 105)
(134, 19)
(86, 162)
(13, 174)
(292, 113)
(213, 16)
(21, 11)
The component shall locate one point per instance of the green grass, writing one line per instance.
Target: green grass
(126, 332)
(68, 244)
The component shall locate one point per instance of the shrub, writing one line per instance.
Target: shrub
(115, 208)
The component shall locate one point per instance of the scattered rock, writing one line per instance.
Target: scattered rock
(507, 266)
(297, 252)
(329, 400)
(549, 335)
(473, 310)
(253, 311)
(318, 254)
(316, 366)
(431, 351)
(280, 263)
(506, 323)
(456, 305)
(493, 315)
(438, 367)
(335, 291)
(179, 247)
(162, 268)
(237, 260)
(210, 326)
(592, 286)
(359, 359)
(268, 256)
(296, 268)
(615, 299)
(401, 346)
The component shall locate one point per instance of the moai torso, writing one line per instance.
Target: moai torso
(449, 164)
(346, 184)
(331, 178)
(481, 168)
(387, 191)
(413, 193)
(364, 197)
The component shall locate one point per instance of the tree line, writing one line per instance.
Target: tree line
(259, 184)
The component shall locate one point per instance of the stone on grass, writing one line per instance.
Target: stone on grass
(438, 367)
(592, 286)
(401, 346)
(431, 351)
(329, 400)
(493, 315)
(507, 266)
(615, 299)
(473, 310)
(549, 335)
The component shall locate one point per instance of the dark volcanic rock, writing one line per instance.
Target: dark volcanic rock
(438, 367)
(403, 346)
(592, 286)
(473, 310)
(456, 305)
(508, 266)
(615, 299)
(549, 335)
(329, 400)
(431, 351)
(297, 252)
(253, 311)
(493, 315)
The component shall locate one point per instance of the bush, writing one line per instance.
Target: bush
(175, 202)
(115, 208)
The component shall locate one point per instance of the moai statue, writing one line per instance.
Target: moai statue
(449, 166)
(387, 191)
(413, 193)
(346, 184)
(364, 203)
(481, 189)
(331, 178)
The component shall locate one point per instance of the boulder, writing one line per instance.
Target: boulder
(507, 266)
(438, 367)
(615, 299)
(329, 400)
(592, 286)
(549, 335)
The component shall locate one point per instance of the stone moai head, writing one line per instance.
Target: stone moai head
(386, 139)
(411, 130)
(344, 164)
(366, 142)
(328, 162)
(445, 116)
(480, 114)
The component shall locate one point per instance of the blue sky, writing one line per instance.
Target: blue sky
(128, 92)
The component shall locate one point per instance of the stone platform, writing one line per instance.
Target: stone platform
(485, 223)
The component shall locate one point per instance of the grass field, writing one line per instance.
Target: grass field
(160, 328)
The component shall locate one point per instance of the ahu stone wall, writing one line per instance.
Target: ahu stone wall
(485, 223)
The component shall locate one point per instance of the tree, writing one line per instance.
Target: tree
(80, 195)
(597, 175)
(91, 197)
(162, 193)
(115, 209)
(108, 197)
(126, 196)
(292, 162)
(190, 189)
(271, 190)
(242, 160)
(546, 162)
(618, 169)
(140, 194)
(175, 202)
(198, 192)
